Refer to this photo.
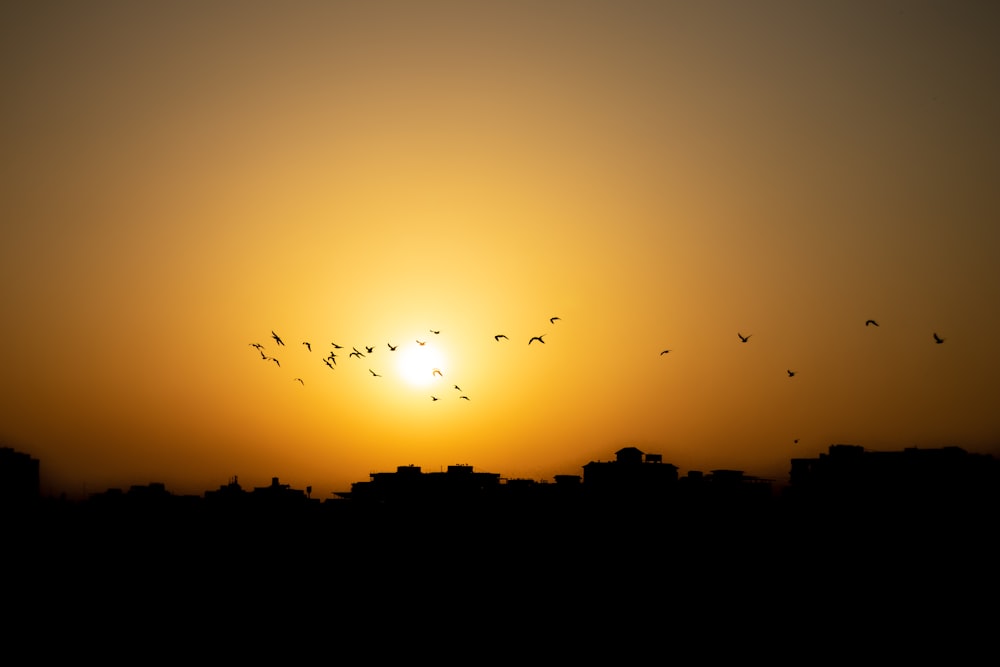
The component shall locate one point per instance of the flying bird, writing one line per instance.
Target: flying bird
(938, 339)
(257, 345)
(436, 372)
(538, 338)
(374, 373)
(499, 336)
(299, 380)
(275, 361)
(369, 348)
(791, 373)
(262, 355)
(664, 352)
(457, 387)
(465, 397)
(391, 346)
(435, 332)
(871, 323)
(356, 353)
(743, 338)
(308, 346)
(337, 347)
(421, 342)
(553, 320)
(434, 398)
(327, 362)
(277, 338)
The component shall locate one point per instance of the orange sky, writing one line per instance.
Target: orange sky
(181, 179)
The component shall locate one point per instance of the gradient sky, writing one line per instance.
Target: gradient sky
(180, 179)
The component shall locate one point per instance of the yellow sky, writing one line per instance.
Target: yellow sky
(181, 179)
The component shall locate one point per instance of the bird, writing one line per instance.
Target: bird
(421, 342)
(465, 397)
(499, 336)
(435, 332)
(871, 323)
(938, 339)
(457, 387)
(664, 352)
(437, 372)
(791, 373)
(538, 338)
(332, 357)
(327, 362)
(374, 373)
(434, 398)
(369, 348)
(277, 338)
(391, 346)
(743, 338)
(356, 353)
(262, 355)
(336, 347)
(796, 441)
(275, 361)
(299, 380)
(308, 346)
(257, 345)
(553, 320)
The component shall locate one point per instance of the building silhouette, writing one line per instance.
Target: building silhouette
(19, 478)
(850, 474)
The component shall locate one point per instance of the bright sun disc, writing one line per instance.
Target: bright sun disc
(417, 363)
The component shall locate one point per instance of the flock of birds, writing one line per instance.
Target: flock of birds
(330, 360)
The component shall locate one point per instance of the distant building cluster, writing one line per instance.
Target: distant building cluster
(846, 474)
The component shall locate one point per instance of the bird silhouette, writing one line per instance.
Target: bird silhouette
(327, 362)
(437, 372)
(791, 373)
(332, 357)
(277, 338)
(743, 338)
(308, 346)
(356, 353)
(257, 345)
(871, 323)
(275, 361)
(391, 346)
(553, 320)
(664, 352)
(336, 347)
(465, 397)
(435, 332)
(262, 355)
(374, 373)
(299, 380)
(457, 387)
(434, 398)
(369, 348)
(421, 342)
(538, 338)
(938, 339)
(499, 336)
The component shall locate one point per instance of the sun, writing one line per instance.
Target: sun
(420, 365)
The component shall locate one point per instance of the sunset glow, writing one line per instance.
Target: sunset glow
(179, 181)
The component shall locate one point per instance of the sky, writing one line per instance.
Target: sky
(181, 180)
